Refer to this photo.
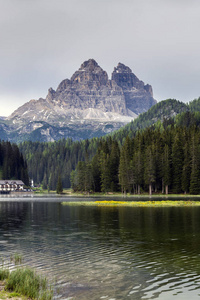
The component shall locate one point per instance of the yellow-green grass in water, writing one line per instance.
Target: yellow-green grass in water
(11, 295)
(17, 258)
(135, 203)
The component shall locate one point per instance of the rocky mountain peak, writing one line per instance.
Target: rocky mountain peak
(91, 74)
(51, 94)
(121, 68)
(125, 78)
(91, 65)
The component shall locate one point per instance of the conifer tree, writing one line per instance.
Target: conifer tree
(185, 184)
(125, 172)
(177, 163)
(114, 166)
(88, 178)
(96, 174)
(195, 166)
(81, 168)
(137, 169)
(59, 188)
(44, 183)
(105, 172)
(73, 180)
(123, 176)
(166, 169)
(158, 142)
(149, 168)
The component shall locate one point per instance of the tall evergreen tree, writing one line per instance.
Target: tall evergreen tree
(149, 168)
(59, 187)
(195, 166)
(125, 172)
(96, 173)
(114, 166)
(81, 168)
(137, 169)
(105, 172)
(73, 180)
(177, 163)
(166, 168)
(88, 178)
(185, 184)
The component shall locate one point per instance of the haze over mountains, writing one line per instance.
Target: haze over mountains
(89, 104)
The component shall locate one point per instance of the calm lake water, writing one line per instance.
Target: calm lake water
(103, 252)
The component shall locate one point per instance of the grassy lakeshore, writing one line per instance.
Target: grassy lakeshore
(22, 284)
(69, 192)
(135, 203)
(10, 295)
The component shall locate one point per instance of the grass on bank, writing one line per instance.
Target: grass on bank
(24, 281)
(4, 295)
(135, 203)
(70, 192)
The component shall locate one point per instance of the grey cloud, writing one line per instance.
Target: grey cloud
(43, 42)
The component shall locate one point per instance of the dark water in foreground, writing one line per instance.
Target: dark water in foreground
(106, 253)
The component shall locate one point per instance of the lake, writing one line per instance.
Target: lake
(91, 252)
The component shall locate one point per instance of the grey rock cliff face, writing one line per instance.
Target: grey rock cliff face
(138, 96)
(89, 87)
(89, 97)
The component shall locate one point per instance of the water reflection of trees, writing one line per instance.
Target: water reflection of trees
(143, 227)
(12, 214)
(156, 244)
(133, 243)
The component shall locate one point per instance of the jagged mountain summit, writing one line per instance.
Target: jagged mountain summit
(88, 101)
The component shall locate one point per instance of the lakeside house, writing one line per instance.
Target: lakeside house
(11, 185)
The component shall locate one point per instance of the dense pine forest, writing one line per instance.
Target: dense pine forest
(47, 161)
(154, 160)
(12, 163)
(163, 157)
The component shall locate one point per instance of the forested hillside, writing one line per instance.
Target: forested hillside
(162, 111)
(154, 160)
(12, 164)
(46, 161)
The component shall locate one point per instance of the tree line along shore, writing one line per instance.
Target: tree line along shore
(152, 161)
(161, 159)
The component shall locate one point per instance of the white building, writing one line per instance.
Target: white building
(11, 185)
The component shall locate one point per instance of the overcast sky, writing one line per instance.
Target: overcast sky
(43, 42)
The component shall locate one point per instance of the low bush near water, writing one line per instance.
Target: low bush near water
(4, 274)
(26, 282)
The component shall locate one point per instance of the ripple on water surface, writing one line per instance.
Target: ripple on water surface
(107, 253)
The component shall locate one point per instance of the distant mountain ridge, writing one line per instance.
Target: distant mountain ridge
(89, 104)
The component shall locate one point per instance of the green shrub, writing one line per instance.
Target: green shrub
(14, 294)
(26, 282)
(4, 274)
